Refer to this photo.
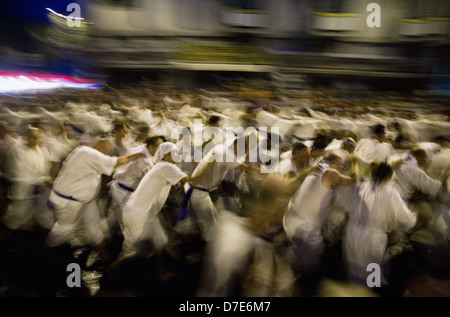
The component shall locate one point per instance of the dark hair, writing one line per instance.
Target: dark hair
(153, 139)
(214, 119)
(418, 153)
(119, 125)
(320, 143)
(378, 129)
(381, 172)
(143, 128)
(332, 158)
(298, 146)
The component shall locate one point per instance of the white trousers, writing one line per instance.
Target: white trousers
(69, 215)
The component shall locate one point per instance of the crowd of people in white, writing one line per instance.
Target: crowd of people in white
(365, 182)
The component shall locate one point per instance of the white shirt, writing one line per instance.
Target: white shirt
(131, 174)
(376, 212)
(310, 204)
(25, 168)
(408, 177)
(153, 190)
(80, 175)
(221, 154)
(370, 150)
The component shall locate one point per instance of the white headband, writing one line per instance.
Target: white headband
(165, 148)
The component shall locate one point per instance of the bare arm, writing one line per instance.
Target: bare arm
(295, 182)
(333, 178)
(121, 160)
(200, 173)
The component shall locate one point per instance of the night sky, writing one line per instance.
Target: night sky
(15, 15)
(24, 11)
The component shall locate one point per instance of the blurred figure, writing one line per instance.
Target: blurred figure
(299, 159)
(140, 132)
(126, 179)
(318, 147)
(247, 256)
(415, 186)
(144, 235)
(6, 142)
(210, 173)
(306, 213)
(75, 190)
(378, 209)
(119, 133)
(28, 169)
(374, 149)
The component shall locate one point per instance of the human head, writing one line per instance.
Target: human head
(421, 156)
(154, 142)
(215, 121)
(300, 153)
(334, 161)
(167, 152)
(103, 145)
(120, 129)
(379, 132)
(318, 146)
(381, 172)
(141, 131)
(348, 144)
(32, 136)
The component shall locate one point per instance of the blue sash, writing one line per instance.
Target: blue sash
(125, 187)
(64, 196)
(187, 197)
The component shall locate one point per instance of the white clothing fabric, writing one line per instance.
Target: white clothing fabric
(140, 213)
(224, 160)
(303, 221)
(409, 176)
(202, 211)
(80, 179)
(370, 150)
(69, 216)
(125, 181)
(80, 175)
(376, 212)
(310, 204)
(27, 171)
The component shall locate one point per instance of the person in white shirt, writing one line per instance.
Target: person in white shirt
(411, 176)
(306, 213)
(120, 131)
(374, 149)
(201, 211)
(28, 168)
(75, 191)
(126, 179)
(140, 212)
(415, 186)
(294, 164)
(377, 210)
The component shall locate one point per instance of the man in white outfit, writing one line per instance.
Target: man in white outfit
(210, 172)
(126, 179)
(377, 210)
(28, 167)
(374, 149)
(306, 213)
(76, 188)
(299, 160)
(412, 182)
(140, 213)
